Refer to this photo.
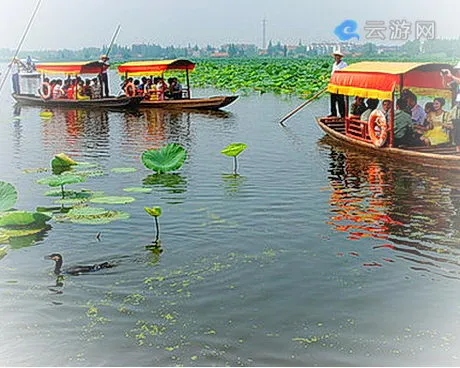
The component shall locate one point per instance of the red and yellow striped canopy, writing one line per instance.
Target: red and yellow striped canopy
(380, 79)
(80, 67)
(139, 68)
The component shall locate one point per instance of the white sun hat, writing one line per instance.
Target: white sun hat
(457, 66)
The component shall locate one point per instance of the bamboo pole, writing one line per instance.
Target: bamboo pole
(316, 95)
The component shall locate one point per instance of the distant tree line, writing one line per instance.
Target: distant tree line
(435, 49)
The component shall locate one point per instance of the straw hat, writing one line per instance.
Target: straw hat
(105, 57)
(338, 53)
(457, 66)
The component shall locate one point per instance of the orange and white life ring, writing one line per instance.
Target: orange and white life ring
(378, 128)
(45, 95)
(130, 89)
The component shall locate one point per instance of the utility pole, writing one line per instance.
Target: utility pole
(264, 34)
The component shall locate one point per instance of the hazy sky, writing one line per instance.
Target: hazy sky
(79, 23)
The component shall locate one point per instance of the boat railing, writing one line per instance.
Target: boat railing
(357, 128)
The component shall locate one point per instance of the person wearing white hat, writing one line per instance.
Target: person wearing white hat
(103, 76)
(337, 99)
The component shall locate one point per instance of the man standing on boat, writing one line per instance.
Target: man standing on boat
(15, 64)
(453, 81)
(337, 99)
(103, 76)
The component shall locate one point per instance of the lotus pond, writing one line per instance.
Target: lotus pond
(310, 255)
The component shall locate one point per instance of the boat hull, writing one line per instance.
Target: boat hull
(435, 157)
(210, 103)
(115, 102)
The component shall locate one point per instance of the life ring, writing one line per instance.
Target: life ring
(130, 89)
(378, 128)
(46, 95)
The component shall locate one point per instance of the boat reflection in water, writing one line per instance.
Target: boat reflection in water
(412, 213)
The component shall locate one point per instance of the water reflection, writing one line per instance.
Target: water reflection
(233, 183)
(410, 211)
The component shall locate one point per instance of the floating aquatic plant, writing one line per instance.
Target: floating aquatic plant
(166, 159)
(61, 180)
(233, 150)
(123, 170)
(138, 190)
(8, 196)
(155, 212)
(62, 161)
(93, 216)
(112, 200)
(23, 218)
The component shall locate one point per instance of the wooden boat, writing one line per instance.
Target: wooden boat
(383, 80)
(72, 69)
(157, 100)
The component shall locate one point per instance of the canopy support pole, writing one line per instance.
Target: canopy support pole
(188, 84)
(392, 118)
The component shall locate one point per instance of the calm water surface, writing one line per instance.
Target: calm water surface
(312, 255)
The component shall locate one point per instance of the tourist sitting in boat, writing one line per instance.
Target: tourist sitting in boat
(161, 88)
(138, 90)
(97, 88)
(142, 85)
(58, 92)
(438, 123)
(372, 104)
(81, 91)
(87, 89)
(176, 89)
(148, 87)
(386, 108)
(358, 106)
(417, 113)
(402, 129)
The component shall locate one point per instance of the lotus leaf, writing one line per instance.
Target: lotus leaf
(8, 196)
(123, 170)
(18, 233)
(88, 173)
(138, 190)
(59, 180)
(112, 200)
(62, 161)
(3, 251)
(154, 211)
(36, 170)
(84, 193)
(168, 158)
(93, 216)
(23, 218)
(234, 149)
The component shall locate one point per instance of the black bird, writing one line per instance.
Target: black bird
(75, 270)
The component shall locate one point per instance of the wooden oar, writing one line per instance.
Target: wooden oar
(316, 95)
(20, 44)
(113, 39)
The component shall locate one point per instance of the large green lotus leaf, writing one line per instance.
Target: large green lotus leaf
(138, 190)
(112, 200)
(234, 149)
(123, 170)
(58, 180)
(8, 196)
(23, 218)
(168, 158)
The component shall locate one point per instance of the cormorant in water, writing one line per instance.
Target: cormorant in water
(75, 270)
